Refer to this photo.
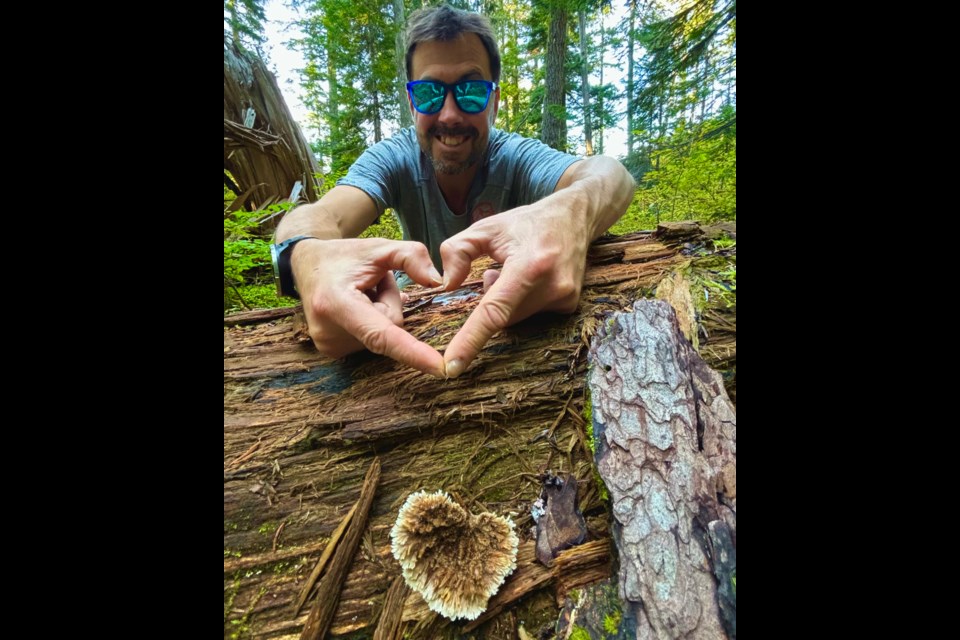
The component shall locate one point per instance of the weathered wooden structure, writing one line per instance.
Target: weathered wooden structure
(301, 432)
(264, 150)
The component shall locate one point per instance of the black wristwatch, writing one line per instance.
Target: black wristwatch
(282, 275)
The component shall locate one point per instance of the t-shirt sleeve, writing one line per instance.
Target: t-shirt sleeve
(377, 172)
(537, 170)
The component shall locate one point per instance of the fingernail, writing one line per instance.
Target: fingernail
(435, 275)
(454, 368)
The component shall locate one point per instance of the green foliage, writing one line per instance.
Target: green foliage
(247, 270)
(386, 227)
(264, 296)
(639, 216)
(350, 78)
(243, 19)
(692, 177)
(697, 174)
(242, 250)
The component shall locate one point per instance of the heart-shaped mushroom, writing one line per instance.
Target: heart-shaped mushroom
(454, 559)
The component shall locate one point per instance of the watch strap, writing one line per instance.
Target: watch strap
(282, 272)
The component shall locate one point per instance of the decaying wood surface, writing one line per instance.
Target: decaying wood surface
(300, 431)
(666, 444)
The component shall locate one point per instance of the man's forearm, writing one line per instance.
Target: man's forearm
(309, 220)
(599, 189)
(343, 212)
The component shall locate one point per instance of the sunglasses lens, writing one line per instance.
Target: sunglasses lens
(472, 96)
(427, 96)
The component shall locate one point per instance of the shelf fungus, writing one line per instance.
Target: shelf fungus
(454, 559)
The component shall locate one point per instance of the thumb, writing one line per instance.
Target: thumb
(489, 277)
(458, 253)
(413, 258)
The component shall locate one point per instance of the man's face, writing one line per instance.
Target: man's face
(453, 139)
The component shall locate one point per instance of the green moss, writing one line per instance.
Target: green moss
(242, 625)
(579, 633)
(611, 622)
(229, 596)
(588, 416)
(267, 528)
(592, 443)
(733, 581)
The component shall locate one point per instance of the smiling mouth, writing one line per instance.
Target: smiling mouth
(452, 141)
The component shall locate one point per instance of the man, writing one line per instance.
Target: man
(446, 178)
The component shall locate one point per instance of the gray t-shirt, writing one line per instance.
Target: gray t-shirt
(395, 173)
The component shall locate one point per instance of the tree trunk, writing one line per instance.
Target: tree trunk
(333, 110)
(666, 444)
(406, 118)
(603, 60)
(585, 85)
(263, 147)
(301, 431)
(514, 74)
(377, 132)
(555, 102)
(631, 106)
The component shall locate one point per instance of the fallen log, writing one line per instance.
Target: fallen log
(300, 431)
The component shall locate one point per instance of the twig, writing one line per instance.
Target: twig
(328, 592)
(276, 536)
(322, 562)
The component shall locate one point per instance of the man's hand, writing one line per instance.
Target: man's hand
(352, 302)
(543, 256)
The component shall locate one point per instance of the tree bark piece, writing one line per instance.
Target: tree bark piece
(561, 526)
(591, 557)
(328, 593)
(322, 562)
(390, 625)
(665, 434)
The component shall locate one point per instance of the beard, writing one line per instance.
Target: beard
(453, 165)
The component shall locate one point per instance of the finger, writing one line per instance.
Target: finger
(458, 253)
(388, 298)
(489, 277)
(413, 258)
(336, 346)
(378, 334)
(496, 310)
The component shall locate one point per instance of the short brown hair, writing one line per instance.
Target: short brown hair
(443, 24)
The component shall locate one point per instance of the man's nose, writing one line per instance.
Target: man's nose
(450, 113)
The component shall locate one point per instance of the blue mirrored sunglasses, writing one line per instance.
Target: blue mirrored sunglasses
(471, 96)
